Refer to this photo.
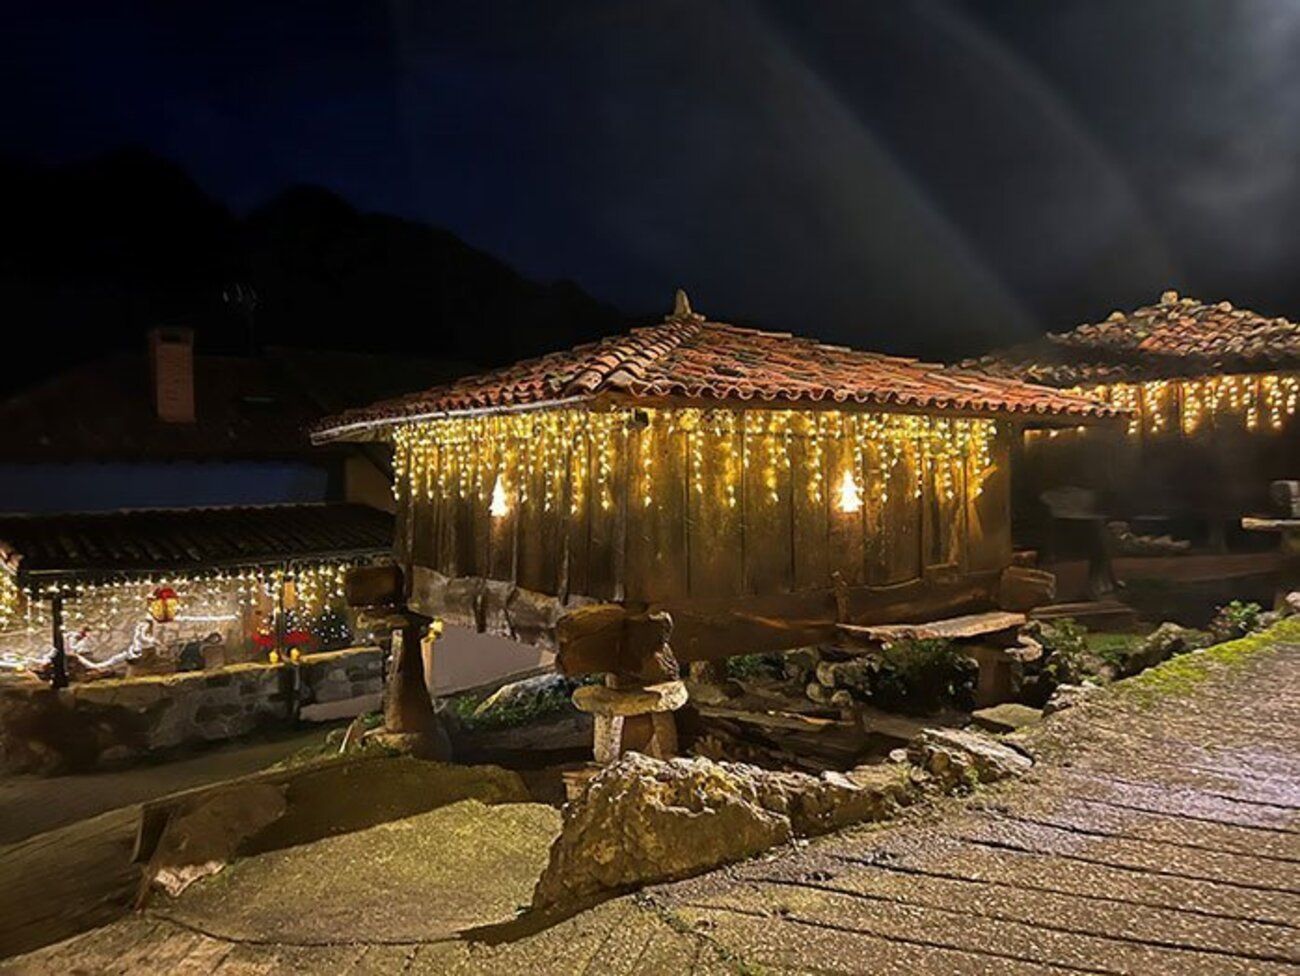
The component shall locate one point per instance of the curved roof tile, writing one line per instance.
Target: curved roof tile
(687, 356)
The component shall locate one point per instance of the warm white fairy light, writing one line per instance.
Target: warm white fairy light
(500, 507)
(849, 494)
(1255, 401)
(578, 452)
(206, 598)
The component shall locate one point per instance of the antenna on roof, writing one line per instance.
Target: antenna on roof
(682, 307)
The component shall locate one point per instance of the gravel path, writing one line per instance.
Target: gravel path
(1159, 833)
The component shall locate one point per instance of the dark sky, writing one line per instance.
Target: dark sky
(912, 176)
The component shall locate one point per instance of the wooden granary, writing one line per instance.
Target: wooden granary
(752, 488)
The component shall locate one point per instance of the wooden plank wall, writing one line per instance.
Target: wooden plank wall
(692, 543)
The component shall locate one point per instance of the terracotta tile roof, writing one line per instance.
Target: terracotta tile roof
(687, 356)
(109, 544)
(1176, 337)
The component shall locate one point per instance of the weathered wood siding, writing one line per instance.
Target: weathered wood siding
(661, 516)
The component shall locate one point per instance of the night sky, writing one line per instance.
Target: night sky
(927, 177)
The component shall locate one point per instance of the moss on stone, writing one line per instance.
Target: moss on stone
(1182, 674)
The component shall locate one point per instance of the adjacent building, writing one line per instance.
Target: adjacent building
(1211, 392)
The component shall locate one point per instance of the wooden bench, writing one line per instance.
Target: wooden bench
(990, 639)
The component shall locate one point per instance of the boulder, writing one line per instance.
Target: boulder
(1166, 641)
(960, 759)
(1067, 696)
(800, 663)
(846, 674)
(522, 693)
(1005, 718)
(204, 834)
(642, 820)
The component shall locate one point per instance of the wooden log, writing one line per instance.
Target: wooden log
(374, 586)
(532, 617)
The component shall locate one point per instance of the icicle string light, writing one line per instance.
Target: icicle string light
(456, 456)
(1253, 401)
(316, 588)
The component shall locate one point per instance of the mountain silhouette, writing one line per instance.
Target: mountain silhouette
(94, 253)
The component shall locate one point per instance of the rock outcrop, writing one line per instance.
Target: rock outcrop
(643, 820)
(960, 759)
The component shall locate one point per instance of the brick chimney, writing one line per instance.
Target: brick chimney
(171, 364)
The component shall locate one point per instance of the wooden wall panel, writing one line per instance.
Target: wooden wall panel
(657, 561)
(810, 526)
(606, 553)
(578, 527)
(715, 535)
(769, 560)
(847, 530)
(899, 528)
(988, 513)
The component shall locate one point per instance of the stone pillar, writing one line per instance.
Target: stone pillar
(632, 718)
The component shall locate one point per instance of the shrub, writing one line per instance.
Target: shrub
(755, 666)
(1065, 651)
(920, 675)
(1236, 619)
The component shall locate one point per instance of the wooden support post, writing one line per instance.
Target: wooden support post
(59, 663)
(407, 705)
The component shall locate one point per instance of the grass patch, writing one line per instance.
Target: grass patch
(1182, 674)
(509, 715)
(1111, 648)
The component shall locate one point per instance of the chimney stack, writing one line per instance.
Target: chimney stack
(171, 364)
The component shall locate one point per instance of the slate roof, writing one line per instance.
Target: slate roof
(689, 357)
(110, 544)
(1177, 337)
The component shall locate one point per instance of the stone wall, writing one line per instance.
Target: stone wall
(115, 719)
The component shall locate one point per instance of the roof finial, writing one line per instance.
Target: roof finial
(681, 305)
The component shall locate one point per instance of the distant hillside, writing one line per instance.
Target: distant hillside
(93, 254)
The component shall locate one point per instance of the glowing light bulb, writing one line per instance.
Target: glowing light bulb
(500, 506)
(849, 494)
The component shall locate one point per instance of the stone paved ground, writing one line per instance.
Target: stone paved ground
(1159, 834)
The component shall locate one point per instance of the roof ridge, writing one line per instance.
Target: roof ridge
(634, 356)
